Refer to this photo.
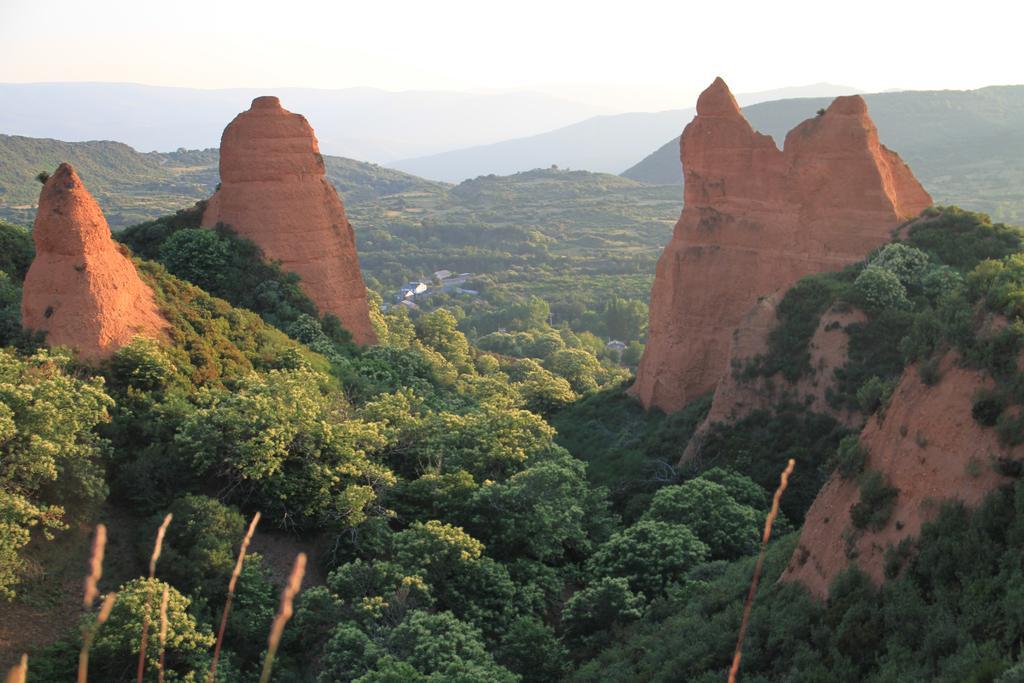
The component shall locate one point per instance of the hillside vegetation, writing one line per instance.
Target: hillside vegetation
(505, 515)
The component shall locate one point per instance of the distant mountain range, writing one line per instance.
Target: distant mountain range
(607, 143)
(965, 146)
(361, 123)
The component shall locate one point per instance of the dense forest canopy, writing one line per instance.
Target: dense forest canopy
(479, 497)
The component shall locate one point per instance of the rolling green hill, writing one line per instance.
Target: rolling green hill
(132, 186)
(966, 147)
(561, 235)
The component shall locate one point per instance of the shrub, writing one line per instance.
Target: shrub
(987, 406)
(905, 262)
(877, 500)
(142, 365)
(1010, 428)
(591, 613)
(200, 546)
(798, 314)
(849, 457)
(880, 289)
(874, 394)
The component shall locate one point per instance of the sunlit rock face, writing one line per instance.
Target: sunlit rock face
(274, 191)
(82, 290)
(755, 220)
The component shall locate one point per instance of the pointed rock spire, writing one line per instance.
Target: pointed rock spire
(717, 100)
(82, 290)
(755, 219)
(274, 191)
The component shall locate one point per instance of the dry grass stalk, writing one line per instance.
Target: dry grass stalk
(163, 633)
(19, 671)
(749, 604)
(99, 544)
(89, 634)
(231, 595)
(92, 579)
(157, 547)
(284, 613)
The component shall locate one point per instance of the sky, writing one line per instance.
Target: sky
(626, 55)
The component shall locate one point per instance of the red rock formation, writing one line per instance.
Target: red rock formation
(928, 447)
(755, 220)
(82, 290)
(274, 191)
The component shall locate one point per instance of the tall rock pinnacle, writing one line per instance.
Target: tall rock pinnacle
(82, 290)
(756, 219)
(274, 191)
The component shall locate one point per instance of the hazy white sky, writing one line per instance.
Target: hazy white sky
(653, 54)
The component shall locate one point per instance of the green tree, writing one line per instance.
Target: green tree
(441, 644)
(10, 311)
(201, 545)
(16, 250)
(650, 555)
(531, 649)
(905, 262)
(142, 365)
(538, 513)
(542, 391)
(728, 528)
(581, 369)
(880, 289)
(282, 442)
(633, 353)
(591, 613)
(439, 331)
(489, 443)
(200, 256)
(625, 320)
(117, 644)
(48, 451)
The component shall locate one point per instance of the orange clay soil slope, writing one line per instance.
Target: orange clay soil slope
(737, 396)
(927, 446)
(754, 221)
(82, 289)
(274, 191)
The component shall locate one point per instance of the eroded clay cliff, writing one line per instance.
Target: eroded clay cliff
(274, 191)
(755, 220)
(82, 290)
(927, 446)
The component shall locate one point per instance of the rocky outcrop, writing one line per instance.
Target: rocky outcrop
(755, 220)
(738, 395)
(274, 191)
(82, 290)
(928, 447)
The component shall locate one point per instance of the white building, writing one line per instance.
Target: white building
(411, 289)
